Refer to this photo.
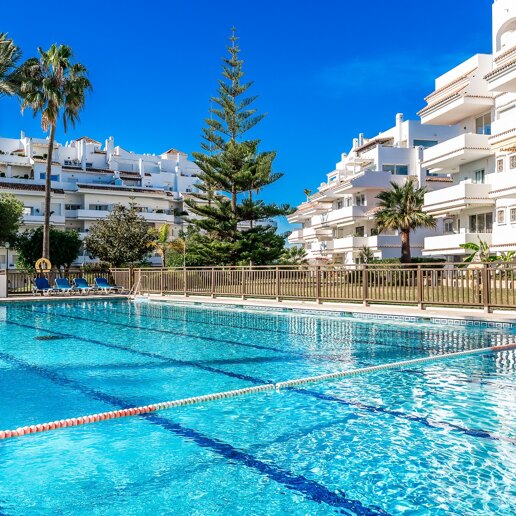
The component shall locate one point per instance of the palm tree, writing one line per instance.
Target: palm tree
(366, 254)
(9, 55)
(308, 193)
(54, 87)
(401, 208)
(479, 252)
(161, 242)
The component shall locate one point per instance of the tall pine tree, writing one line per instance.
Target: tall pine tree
(233, 170)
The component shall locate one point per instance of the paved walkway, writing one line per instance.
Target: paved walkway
(450, 313)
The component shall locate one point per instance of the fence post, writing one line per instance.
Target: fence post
(486, 288)
(213, 282)
(420, 288)
(365, 286)
(185, 277)
(161, 282)
(318, 283)
(277, 285)
(243, 282)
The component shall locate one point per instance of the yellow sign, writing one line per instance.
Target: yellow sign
(43, 265)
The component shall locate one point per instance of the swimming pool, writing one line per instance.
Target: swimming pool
(438, 438)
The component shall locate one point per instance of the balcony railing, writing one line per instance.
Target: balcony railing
(458, 196)
(457, 151)
(450, 243)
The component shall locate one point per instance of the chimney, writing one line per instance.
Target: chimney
(22, 135)
(399, 129)
(361, 139)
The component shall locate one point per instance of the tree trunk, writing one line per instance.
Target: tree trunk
(405, 246)
(48, 191)
(251, 201)
(234, 201)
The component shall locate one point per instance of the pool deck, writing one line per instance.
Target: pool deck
(60, 297)
(471, 314)
(507, 316)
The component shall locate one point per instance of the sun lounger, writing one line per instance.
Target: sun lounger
(42, 286)
(103, 285)
(81, 285)
(63, 286)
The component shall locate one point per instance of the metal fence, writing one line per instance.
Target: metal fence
(480, 285)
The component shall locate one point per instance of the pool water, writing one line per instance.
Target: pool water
(439, 438)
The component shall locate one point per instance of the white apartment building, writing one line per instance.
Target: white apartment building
(89, 178)
(479, 96)
(337, 222)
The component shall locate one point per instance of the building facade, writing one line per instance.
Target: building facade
(463, 151)
(89, 179)
(479, 96)
(337, 222)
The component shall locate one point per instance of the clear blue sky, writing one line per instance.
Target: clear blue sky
(324, 71)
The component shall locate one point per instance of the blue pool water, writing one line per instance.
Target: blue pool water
(439, 438)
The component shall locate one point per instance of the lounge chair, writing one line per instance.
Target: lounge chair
(103, 285)
(81, 285)
(42, 286)
(63, 286)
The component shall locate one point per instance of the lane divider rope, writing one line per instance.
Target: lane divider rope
(146, 409)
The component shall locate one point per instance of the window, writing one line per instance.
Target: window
(360, 200)
(448, 226)
(72, 206)
(512, 161)
(53, 177)
(348, 201)
(339, 204)
(99, 207)
(483, 124)
(399, 170)
(359, 231)
(338, 232)
(425, 143)
(513, 215)
(480, 177)
(499, 165)
(500, 216)
(481, 223)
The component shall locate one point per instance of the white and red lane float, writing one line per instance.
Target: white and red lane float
(146, 409)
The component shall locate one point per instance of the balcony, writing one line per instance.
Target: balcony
(158, 217)
(460, 93)
(15, 159)
(457, 151)
(458, 197)
(349, 214)
(58, 220)
(296, 237)
(370, 179)
(450, 244)
(377, 242)
(503, 76)
(317, 233)
(503, 137)
(503, 184)
(92, 214)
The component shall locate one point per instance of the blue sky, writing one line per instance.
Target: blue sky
(324, 71)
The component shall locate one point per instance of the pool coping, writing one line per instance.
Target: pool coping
(62, 297)
(400, 313)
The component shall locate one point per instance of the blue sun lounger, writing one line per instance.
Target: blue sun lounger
(42, 286)
(63, 286)
(81, 285)
(103, 285)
